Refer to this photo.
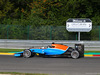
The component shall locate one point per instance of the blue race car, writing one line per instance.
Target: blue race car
(53, 50)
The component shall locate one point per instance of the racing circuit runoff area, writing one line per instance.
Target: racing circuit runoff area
(87, 65)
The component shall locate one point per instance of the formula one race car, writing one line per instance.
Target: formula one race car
(53, 50)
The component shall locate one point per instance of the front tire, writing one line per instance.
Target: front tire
(75, 54)
(27, 53)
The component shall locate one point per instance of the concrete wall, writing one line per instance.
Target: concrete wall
(24, 44)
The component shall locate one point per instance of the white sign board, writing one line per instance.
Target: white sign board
(79, 25)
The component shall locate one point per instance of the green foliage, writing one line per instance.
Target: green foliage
(5, 8)
(35, 33)
(47, 12)
(38, 13)
(95, 33)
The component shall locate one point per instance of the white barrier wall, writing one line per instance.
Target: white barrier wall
(25, 44)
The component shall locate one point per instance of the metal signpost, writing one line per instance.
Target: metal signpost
(79, 25)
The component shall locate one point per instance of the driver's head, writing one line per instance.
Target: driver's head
(53, 43)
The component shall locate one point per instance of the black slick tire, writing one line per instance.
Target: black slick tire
(75, 54)
(27, 53)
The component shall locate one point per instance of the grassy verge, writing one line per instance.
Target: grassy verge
(16, 73)
(10, 50)
(92, 52)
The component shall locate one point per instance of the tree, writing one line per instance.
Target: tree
(5, 8)
(44, 10)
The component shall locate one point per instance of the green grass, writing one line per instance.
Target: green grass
(10, 50)
(92, 52)
(16, 73)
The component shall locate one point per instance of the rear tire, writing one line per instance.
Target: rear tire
(75, 54)
(27, 53)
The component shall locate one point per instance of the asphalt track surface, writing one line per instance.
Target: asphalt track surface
(52, 66)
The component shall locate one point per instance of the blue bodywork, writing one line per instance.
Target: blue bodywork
(48, 51)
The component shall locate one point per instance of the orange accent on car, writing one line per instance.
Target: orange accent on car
(59, 46)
